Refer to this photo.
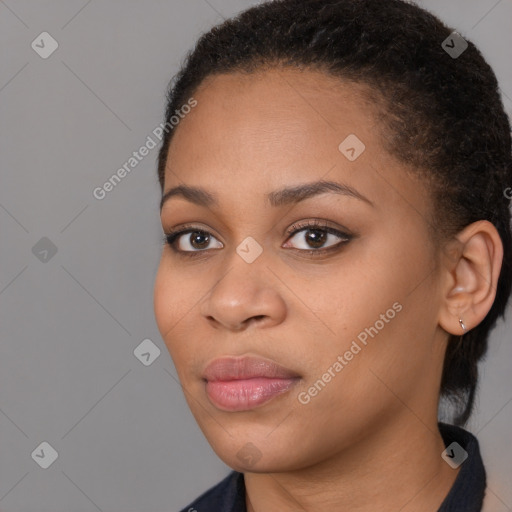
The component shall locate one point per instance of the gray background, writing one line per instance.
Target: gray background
(69, 325)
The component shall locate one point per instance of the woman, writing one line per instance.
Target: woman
(337, 250)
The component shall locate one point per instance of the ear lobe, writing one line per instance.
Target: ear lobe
(471, 269)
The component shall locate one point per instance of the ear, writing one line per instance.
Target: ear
(472, 265)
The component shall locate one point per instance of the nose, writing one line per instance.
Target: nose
(247, 294)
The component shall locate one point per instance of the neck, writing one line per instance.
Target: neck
(399, 467)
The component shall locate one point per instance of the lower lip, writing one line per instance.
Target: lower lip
(245, 394)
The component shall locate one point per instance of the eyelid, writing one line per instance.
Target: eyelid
(319, 224)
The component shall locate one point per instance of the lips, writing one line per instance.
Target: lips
(241, 368)
(241, 384)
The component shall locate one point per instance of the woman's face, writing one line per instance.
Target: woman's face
(350, 307)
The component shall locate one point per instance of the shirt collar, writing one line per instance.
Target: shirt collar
(468, 490)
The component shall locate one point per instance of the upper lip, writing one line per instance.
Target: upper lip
(246, 367)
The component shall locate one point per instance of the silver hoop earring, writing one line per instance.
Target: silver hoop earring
(462, 325)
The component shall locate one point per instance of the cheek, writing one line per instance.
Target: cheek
(177, 301)
(161, 296)
(170, 302)
(370, 298)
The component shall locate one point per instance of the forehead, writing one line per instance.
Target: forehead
(270, 100)
(270, 118)
(253, 133)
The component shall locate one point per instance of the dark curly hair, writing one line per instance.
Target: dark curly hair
(445, 115)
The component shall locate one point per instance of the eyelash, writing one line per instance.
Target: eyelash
(171, 237)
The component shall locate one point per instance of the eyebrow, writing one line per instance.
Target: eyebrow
(284, 196)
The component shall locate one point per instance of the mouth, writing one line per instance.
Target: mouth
(244, 383)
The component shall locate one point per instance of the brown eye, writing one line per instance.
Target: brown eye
(191, 240)
(316, 237)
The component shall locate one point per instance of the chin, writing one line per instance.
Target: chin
(253, 453)
(277, 463)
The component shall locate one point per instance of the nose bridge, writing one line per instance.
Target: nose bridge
(245, 290)
(245, 254)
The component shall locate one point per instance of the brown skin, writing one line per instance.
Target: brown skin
(370, 436)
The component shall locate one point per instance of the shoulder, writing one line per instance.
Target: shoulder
(226, 496)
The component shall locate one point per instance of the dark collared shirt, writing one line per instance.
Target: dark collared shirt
(466, 494)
